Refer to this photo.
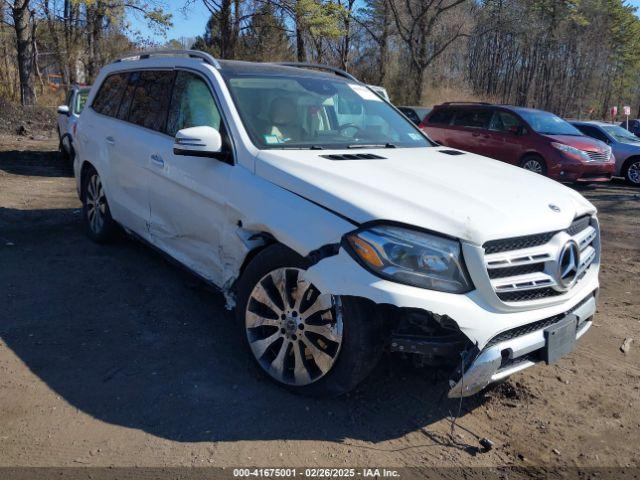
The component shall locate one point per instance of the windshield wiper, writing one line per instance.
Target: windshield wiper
(312, 147)
(372, 145)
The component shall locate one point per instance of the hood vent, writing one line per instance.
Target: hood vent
(353, 156)
(452, 152)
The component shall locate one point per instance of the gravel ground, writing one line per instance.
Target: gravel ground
(111, 356)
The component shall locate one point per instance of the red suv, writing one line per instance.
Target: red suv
(533, 139)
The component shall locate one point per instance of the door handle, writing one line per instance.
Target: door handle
(110, 140)
(157, 160)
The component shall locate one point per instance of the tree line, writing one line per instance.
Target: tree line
(574, 57)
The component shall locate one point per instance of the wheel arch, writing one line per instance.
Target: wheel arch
(532, 153)
(627, 163)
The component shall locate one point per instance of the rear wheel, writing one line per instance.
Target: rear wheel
(535, 164)
(632, 172)
(99, 224)
(66, 148)
(310, 342)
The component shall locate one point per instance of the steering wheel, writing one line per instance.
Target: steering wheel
(346, 126)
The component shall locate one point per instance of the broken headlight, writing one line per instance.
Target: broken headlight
(411, 257)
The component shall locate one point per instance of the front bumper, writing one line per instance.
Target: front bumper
(479, 314)
(583, 171)
(507, 356)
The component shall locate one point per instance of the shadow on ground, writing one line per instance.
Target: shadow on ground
(35, 163)
(132, 340)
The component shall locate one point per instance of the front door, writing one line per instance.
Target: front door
(187, 194)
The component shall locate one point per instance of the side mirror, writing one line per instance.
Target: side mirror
(64, 110)
(198, 142)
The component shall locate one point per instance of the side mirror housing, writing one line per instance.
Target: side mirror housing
(64, 110)
(198, 142)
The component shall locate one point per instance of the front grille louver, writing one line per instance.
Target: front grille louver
(524, 268)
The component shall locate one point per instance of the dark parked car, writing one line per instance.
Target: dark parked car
(533, 139)
(415, 114)
(625, 146)
(634, 126)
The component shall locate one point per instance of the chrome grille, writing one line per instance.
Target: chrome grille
(526, 268)
(598, 156)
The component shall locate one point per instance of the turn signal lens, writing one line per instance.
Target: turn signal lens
(365, 251)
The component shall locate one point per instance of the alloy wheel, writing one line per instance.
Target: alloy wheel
(294, 331)
(96, 204)
(533, 166)
(634, 173)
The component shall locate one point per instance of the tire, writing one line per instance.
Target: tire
(66, 148)
(534, 163)
(63, 153)
(324, 353)
(631, 172)
(99, 224)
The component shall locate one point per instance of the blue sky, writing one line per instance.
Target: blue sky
(192, 22)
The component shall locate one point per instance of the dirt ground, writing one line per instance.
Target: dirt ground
(111, 356)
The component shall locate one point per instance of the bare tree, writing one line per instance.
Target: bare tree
(21, 16)
(419, 26)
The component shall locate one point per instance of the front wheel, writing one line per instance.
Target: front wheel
(632, 172)
(534, 164)
(310, 342)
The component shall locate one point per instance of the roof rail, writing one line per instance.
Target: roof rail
(465, 103)
(204, 56)
(319, 66)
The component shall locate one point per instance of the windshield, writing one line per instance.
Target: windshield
(318, 113)
(620, 134)
(548, 124)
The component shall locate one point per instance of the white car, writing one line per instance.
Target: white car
(68, 115)
(334, 227)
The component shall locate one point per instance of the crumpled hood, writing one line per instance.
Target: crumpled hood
(467, 196)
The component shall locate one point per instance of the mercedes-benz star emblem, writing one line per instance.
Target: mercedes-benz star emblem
(568, 263)
(554, 208)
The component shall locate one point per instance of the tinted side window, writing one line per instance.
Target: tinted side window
(592, 132)
(127, 98)
(503, 122)
(441, 117)
(473, 118)
(151, 99)
(108, 98)
(413, 116)
(192, 104)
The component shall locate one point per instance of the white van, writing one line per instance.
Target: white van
(332, 224)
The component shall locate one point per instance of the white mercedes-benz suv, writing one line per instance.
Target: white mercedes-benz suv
(333, 226)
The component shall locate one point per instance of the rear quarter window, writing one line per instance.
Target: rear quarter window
(441, 117)
(108, 97)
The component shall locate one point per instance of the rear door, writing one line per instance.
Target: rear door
(470, 130)
(188, 194)
(438, 125)
(98, 136)
(142, 114)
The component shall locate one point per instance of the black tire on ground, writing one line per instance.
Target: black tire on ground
(631, 171)
(534, 163)
(63, 152)
(96, 215)
(67, 154)
(362, 333)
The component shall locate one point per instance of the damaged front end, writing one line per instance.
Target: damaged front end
(430, 339)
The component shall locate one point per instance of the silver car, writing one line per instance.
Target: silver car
(625, 146)
(68, 115)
